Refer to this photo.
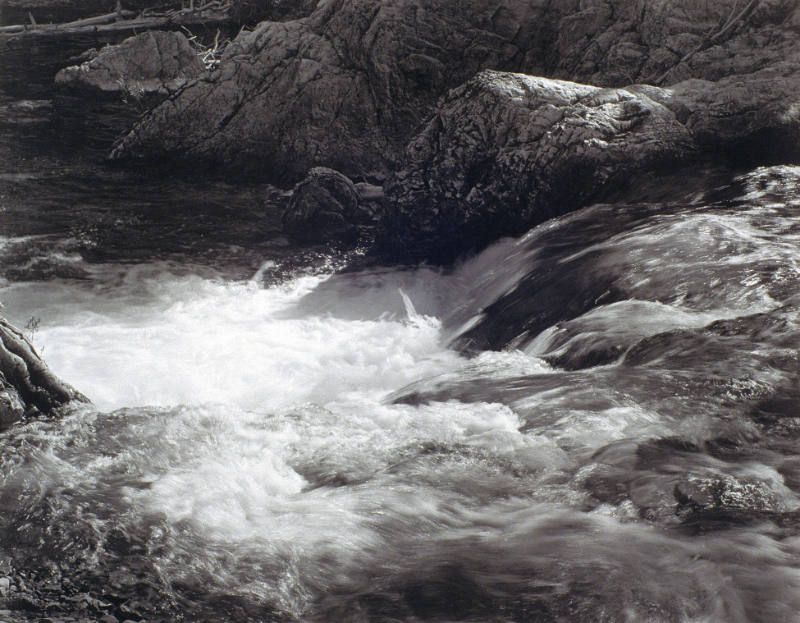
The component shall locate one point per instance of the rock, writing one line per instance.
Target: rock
(254, 11)
(507, 151)
(26, 384)
(324, 207)
(347, 86)
(343, 88)
(727, 499)
(152, 62)
(279, 103)
(753, 117)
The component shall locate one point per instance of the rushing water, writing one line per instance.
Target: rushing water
(595, 422)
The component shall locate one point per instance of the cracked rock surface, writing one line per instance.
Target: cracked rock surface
(152, 62)
(347, 86)
(507, 151)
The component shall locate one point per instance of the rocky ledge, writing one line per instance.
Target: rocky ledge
(154, 62)
(26, 384)
(387, 90)
(347, 86)
(505, 152)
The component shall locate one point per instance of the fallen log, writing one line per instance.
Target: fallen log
(211, 13)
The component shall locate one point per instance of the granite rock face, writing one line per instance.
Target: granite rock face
(343, 88)
(508, 151)
(505, 151)
(347, 86)
(325, 206)
(152, 62)
(279, 103)
(26, 384)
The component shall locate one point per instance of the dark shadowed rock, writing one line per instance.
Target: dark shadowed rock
(342, 88)
(508, 151)
(505, 151)
(254, 11)
(324, 207)
(152, 62)
(26, 383)
(347, 86)
(280, 103)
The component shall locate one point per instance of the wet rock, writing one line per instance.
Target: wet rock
(507, 151)
(325, 206)
(12, 408)
(151, 62)
(713, 502)
(26, 383)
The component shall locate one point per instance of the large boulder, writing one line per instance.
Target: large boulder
(507, 151)
(347, 86)
(343, 88)
(325, 207)
(152, 62)
(26, 383)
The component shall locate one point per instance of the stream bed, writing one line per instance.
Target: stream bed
(597, 421)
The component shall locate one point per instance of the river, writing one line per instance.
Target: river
(597, 421)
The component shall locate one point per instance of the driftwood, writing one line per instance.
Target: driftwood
(23, 369)
(211, 12)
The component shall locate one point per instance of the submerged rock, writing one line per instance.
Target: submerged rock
(152, 62)
(26, 383)
(325, 206)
